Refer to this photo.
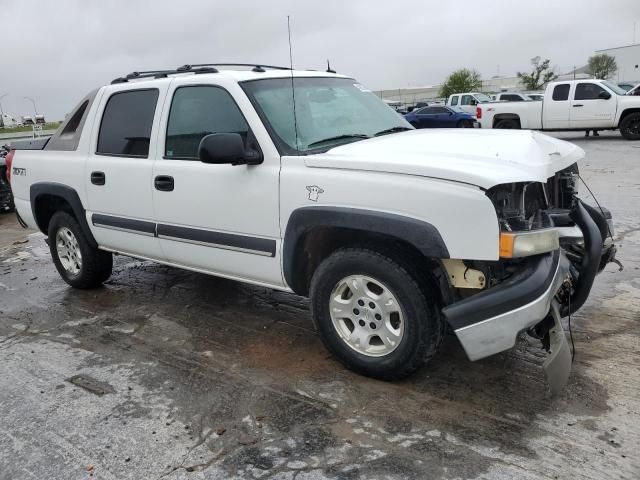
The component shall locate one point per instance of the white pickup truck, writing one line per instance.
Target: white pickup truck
(394, 233)
(468, 101)
(569, 105)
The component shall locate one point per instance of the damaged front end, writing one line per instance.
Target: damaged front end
(552, 245)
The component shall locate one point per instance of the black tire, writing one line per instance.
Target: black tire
(97, 265)
(464, 124)
(630, 126)
(507, 123)
(423, 325)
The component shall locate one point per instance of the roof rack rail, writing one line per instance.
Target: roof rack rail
(197, 68)
(164, 73)
(257, 67)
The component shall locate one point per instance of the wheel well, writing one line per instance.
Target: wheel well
(46, 205)
(506, 116)
(319, 242)
(627, 112)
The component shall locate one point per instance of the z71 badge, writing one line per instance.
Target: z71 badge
(21, 172)
(314, 192)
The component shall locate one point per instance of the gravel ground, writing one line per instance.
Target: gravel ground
(170, 374)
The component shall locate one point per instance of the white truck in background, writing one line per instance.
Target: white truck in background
(468, 101)
(569, 105)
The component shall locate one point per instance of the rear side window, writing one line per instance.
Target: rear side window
(561, 92)
(126, 123)
(454, 100)
(511, 98)
(199, 111)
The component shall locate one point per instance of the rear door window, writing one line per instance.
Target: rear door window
(126, 124)
(561, 92)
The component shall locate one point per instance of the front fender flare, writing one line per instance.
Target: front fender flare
(422, 235)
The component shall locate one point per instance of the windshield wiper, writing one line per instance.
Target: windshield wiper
(338, 137)
(392, 130)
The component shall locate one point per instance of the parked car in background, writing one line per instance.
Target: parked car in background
(537, 96)
(417, 106)
(635, 91)
(6, 197)
(626, 86)
(569, 105)
(468, 101)
(511, 97)
(440, 117)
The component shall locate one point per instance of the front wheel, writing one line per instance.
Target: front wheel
(630, 126)
(77, 262)
(373, 314)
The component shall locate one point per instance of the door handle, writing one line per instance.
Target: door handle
(578, 105)
(98, 178)
(164, 183)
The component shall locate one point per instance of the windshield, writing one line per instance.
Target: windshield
(612, 86)
(482, 98)
(329, 112)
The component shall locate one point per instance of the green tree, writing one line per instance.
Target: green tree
(602, 66)
(460, 81)
(541, 74)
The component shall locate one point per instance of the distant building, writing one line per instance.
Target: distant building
(413, 95)
(576, 74)
(628, 61)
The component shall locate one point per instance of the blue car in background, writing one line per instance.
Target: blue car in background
(439, 116)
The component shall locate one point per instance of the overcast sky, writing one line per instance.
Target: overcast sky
(56, 51)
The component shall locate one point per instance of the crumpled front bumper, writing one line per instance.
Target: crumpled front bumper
(490, 321)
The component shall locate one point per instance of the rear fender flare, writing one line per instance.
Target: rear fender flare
(69, 195)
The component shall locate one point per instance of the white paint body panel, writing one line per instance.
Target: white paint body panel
(473, 156)
(223, 198)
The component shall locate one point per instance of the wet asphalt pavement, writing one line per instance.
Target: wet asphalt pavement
(164, 373)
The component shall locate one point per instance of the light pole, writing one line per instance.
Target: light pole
(34, 106)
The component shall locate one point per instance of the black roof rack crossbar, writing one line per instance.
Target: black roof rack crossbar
(195, 68)
(163, 73)
(257, 67)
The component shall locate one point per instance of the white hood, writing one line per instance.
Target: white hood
(479, 157)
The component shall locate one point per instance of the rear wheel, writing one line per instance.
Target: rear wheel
(507, 123)
(77, 262)
(373, 314)
(465, 124)
(630, 126)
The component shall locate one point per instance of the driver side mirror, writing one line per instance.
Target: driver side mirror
(604, 95)
(221, 148)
